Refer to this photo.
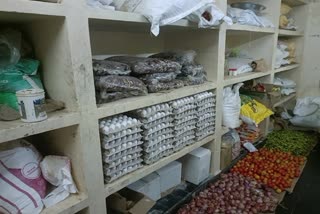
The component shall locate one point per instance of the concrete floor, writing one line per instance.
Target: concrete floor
(306, 196)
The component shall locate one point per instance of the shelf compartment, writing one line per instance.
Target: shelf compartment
(230, 80)
(286, 68)
(283, 32)
(285, 99)
(129, 104)
(294, 3)
(147, 169)
(73, 204)
(29, 10)
(17, 129)
(247, 28)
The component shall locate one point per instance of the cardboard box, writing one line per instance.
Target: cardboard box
(129, 202)
(149, 186)
(170, 175)
(196, 165)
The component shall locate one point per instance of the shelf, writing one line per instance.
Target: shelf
(290, 33)
(99, 18)
(248, 28)
(294, 3)
(146, 170)
(21, 10)
(230, 80)
(286, 68)
(285, 99)
(129, 104)
(72, 204)
(13, 130)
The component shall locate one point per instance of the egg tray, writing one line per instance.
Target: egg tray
(108, 126)
(176, 104)
(122, 147)
(157, 129)
(161, 149)
(205, 116)
(123, 133)
(121, 159)
(185, 108)
(204, 95)
(205, 123)
(157, 141)
(158, 147)
(184, 144)
(156, 134)
(120, 141)
(185, 129)
(155, 123)
(185, 134)
(110, 171)
(185, 124)
(184, 119)
(184, 139)
(150, 160)
(185, 114)
(109, 179)
(156, 116)
(151, 110)
(107, 158)
(205, 107)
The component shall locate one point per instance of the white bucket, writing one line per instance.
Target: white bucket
(31, 103)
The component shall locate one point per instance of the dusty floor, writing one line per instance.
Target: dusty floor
(306, 196)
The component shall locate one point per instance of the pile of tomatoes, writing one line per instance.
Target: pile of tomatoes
(275, 169)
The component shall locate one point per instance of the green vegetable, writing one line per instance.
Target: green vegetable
(296, 142)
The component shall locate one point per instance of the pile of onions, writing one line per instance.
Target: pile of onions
(232, 194)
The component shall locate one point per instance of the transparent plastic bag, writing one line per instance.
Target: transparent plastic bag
(182, 57)
(10, 43)
(193, 70)
(115, 83)
(106, 67)
(153, 88)
(141, 65)
(105, 97)
(193, 80)
(158, 77)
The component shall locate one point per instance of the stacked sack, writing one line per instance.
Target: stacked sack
(157, 74)
(192, 73)
(157, 131)
(285, 21)
(121, 141)
(206, 104)
(113, 82)
(286, 53)
(184, 114)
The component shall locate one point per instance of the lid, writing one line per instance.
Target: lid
(29, 92)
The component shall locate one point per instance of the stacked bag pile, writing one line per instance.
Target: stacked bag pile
(285, 21)
(121, 142)
(157, 131)
(205, 103)
(185, 119)
(121, 77)
(286, 53)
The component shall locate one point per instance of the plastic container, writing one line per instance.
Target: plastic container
(31, 103)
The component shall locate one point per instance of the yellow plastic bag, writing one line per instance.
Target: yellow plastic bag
(253, 112)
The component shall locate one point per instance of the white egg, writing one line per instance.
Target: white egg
(135, 121)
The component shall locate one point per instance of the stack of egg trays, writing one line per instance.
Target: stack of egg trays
(157, 135)
(121, 142)
(206, 115)
(185, 119)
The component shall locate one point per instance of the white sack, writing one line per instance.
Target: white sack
(103, 4)
(160, 13)
(231, 106)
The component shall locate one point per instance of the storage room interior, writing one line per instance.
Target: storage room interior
(146, 106)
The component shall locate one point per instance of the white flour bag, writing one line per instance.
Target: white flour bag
(21, 183)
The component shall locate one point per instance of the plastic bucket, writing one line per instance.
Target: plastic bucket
(31, 105)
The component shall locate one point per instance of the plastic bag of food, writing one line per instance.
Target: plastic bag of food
(231, 106)
(162, 86)
(10, 44)
(252, 112)
(160, 13)
(285, 9)
(21, 182)
(208, 16)
(233, 138)
(141, 65)
(182, 57)
(193, 80)
(158, 77)
(104, 96)
(193, 70)
(107, 67)
(115, 83)
(57, 171)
